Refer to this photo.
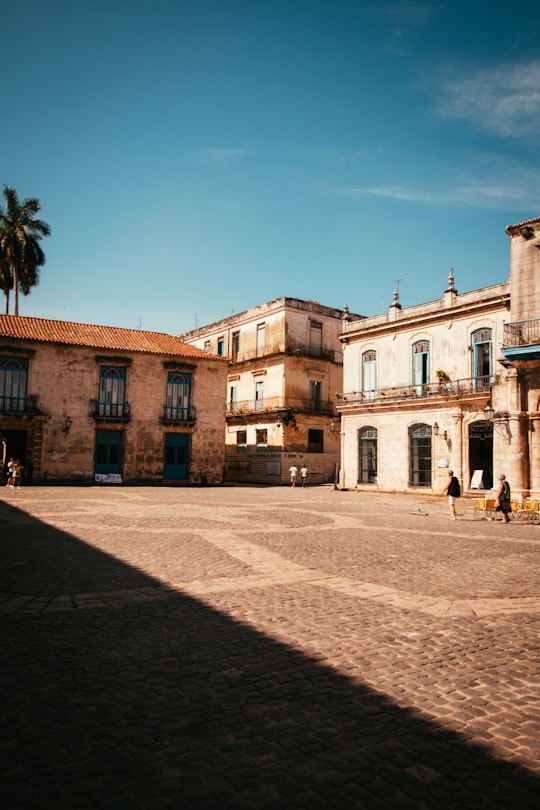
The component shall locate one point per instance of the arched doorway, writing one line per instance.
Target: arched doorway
(481, 450)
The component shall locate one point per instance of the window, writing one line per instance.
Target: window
(233, 398)
(261, 330)
(221, 346)
(177, 408)
(262, 440)
(112, 389)
(481, 342)
(369, 374)
(259, 395)
(315, 441)
(420, 455)
(13, 381)
(315, 338)
(207, 346)
(235, 344)
(367, 455)
(241, 441)
(420, 365)
(315, 395)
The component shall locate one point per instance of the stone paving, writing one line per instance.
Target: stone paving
(265, 648)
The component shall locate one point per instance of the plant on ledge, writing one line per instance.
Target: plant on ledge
(289, 417)
(442, 375)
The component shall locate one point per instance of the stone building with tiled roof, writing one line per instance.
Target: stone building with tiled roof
(83, 402)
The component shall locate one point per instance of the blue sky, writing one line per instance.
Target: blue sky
(195, 158)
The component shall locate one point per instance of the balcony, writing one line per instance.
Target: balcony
(289, 347)
(449, 389)
(109, 411)
(521, 341)
(177, 415)
(23, 406)
(269, 404)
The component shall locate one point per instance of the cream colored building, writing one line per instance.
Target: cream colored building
(81, 402)
(450, 384)
(285, 371)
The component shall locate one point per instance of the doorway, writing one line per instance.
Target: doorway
(481, 451)
(176, 461)
(108, 457)
(15, 447)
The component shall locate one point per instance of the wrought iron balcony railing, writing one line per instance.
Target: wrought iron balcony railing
(521, 333)
(279, 403)
(116, 411)
(441, 388)
(19, 405)
(289, 347)
(173, 413)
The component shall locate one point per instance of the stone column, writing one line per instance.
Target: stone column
(534, 452)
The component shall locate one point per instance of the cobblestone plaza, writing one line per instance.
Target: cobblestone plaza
(265, 648)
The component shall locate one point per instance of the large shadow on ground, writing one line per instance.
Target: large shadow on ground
(166, 703)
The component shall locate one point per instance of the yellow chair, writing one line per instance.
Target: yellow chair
(473, 505)
(531, 510)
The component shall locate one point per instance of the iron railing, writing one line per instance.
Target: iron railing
(289, 347)
(521, 333)
(22, 405)
(110, 410)
(179, 414)
(441, 388)
(279, 403)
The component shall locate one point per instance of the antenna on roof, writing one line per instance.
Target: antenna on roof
(396, 282)
(196, 321)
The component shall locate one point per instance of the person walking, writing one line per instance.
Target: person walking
(303, 476)
(453, 490)
(294, 472)
(503, 499)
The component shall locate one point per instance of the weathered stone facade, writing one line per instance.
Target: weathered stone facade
(69, 413)
(285, 370)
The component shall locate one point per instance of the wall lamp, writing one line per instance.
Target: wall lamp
(333, 426)
(437, 431)
(66, 425)
(499, 419)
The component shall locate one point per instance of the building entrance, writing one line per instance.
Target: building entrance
(13, 445)
(481, 451)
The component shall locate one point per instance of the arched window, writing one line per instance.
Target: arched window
(367, 455)
(112, 388)
(481, 342)
(369, 374)
(178, 404)
(420, 455)
(420, 365)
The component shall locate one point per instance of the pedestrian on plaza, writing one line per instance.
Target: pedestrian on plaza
(17, 473)
(453, 490)
(294, 472)
(503, 499)
(10, 470)
(303, 475)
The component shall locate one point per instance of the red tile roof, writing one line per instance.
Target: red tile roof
(512, 228)
(97, 337)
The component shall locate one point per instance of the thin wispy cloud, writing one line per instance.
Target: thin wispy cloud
(473, 192)
(219, 157)
(502, 101)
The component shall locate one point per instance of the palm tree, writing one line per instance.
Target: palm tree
(21, 255)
